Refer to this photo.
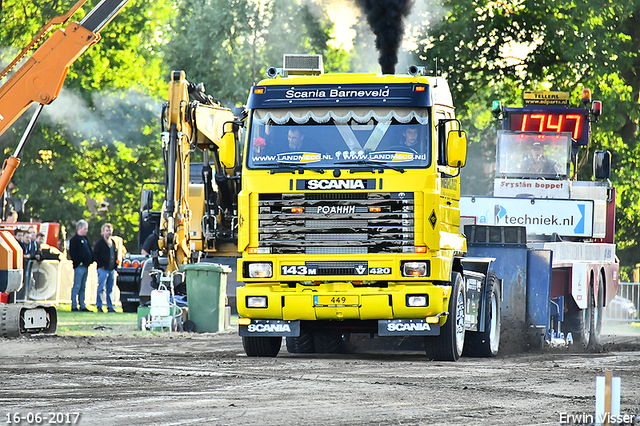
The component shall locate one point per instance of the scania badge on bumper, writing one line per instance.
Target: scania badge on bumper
(272, 328)
(407, 327)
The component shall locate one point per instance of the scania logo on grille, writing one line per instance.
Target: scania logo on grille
(340, 184)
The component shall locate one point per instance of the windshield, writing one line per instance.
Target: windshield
(533, 155)
(340, 137)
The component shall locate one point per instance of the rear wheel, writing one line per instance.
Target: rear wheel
(330, 342)
(302, 344)
(261, 346)
(579, 321)
(486, 343)
(448, 345)
(596, 317)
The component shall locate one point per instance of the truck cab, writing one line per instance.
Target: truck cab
(349, 218)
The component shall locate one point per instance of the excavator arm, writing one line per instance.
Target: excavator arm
(190, 214)
(40, 78)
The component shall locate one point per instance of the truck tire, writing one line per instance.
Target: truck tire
(596, 317)
(486, 343)
(330, 342)
(261, 346)
(302, 344)
(448, 345)
(579, 321)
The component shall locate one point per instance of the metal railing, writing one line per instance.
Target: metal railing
(625, 307)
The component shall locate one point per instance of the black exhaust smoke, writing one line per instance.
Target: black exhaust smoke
(386, 19)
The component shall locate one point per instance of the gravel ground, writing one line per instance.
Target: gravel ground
(206, 379)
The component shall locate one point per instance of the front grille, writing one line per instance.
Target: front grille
(336, 223)
(338, 268)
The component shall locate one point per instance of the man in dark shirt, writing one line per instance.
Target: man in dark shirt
(30, 244)
(410, 135)
(105, 254)
(82, 256)
(538, 163)
(295, 138)
(19, 235)
(150, 244)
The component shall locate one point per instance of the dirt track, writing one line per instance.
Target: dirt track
(205, 379)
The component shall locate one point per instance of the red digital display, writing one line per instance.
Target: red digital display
(574, 122)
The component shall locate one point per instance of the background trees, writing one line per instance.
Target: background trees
(101, 137)
(494, 50)
(95, 144)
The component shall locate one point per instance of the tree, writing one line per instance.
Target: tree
(229, 44)
(568, 45)
(107, 114)
(217, 42)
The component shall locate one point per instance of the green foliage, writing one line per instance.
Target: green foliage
(229, 44)
(215, 42)
(100, 138)
(96, 324)
(568, 45)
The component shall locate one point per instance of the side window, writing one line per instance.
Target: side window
(440, 135)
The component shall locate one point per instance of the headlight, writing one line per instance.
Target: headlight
(415, 269)
(260, 270)
(256, 301)
(414, 300)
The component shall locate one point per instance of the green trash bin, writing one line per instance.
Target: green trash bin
(206, 295)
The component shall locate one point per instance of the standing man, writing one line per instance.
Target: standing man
(106, 255)
(39, 241)
(19, 235)
(82, 256)
(31, 246)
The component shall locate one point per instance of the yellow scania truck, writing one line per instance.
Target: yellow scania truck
(349, 219)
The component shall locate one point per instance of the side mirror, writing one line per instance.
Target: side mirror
(602, 165)
(146, 201)
(227, 150)
(456, 148)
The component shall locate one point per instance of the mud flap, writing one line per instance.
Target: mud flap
(407, 327)
(270, 328)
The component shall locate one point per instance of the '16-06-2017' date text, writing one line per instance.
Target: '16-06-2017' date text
(37, 418)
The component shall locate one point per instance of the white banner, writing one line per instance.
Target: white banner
(536, 188)
(542, 217)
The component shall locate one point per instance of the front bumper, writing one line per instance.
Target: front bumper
(343, 301)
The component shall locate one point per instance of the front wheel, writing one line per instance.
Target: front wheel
(448, 345)
(261, 346)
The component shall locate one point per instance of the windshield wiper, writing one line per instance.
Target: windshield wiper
(288, 167)
(374, 164)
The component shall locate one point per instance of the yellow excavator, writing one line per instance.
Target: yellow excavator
(39, 80)
(198, 218)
